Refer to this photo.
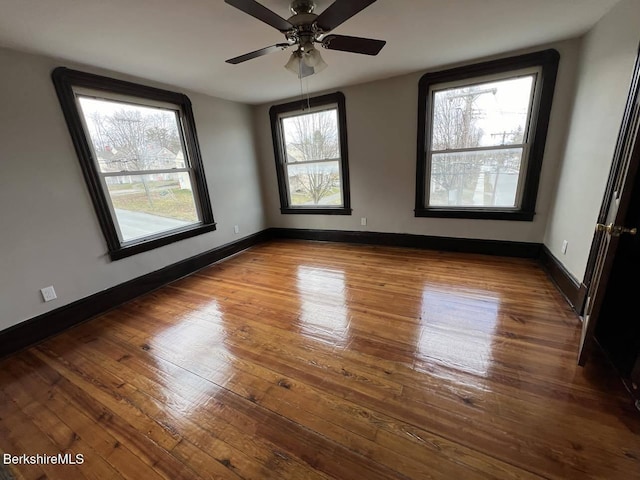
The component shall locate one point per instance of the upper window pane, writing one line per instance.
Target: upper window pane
(128, 137)
(312, 136)
(482, 115)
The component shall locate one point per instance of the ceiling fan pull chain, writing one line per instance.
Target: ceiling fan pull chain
(300, 78)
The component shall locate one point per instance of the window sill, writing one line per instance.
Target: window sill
(479, 214)
(316, 211)
(150, 244)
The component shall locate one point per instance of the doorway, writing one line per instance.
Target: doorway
(612, 276)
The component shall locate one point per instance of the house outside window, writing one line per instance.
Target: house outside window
(482, 131)
(139, 153)
(310, 147)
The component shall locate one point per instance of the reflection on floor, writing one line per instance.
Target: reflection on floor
(302, 360)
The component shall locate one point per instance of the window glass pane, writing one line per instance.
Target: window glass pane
(129, 137)
(487, 178)
(312, 136)
(312, 184)
(149, 204)
(486, 114)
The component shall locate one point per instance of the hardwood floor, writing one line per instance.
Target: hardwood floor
(303, 360)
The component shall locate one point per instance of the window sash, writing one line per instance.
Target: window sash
(517, 196)
(125, 99)
(139, 102)
(123, 173)
(337, 159)
(116, 221)
(481, 149)
(286, 163)
(279, 115)
(309, 111)
(533, 103)
(288, 184)
(80, 92)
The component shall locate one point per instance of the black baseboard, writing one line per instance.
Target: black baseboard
(449, 244)
(50, 323)
(574, 291)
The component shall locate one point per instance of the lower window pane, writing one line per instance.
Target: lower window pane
(314, 184)
(487, 178)
(145, 205)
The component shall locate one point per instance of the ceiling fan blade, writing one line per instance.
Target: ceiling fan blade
(366, 46)
(257, 53)
(339, 12)
(262, 13)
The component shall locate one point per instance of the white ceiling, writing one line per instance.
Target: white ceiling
(186, 42)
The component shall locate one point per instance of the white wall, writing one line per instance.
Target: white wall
(382, 133)
(49, 234)
(607, 58)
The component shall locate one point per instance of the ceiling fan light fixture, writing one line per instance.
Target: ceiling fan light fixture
(313, 59)
(293, 65)
(303, 64)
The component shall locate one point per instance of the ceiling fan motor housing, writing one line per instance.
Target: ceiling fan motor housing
(305, 30)
(302, 6)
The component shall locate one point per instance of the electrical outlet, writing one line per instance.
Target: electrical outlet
(363, 221)
(565, 244)
(48, 293)
(236, 229)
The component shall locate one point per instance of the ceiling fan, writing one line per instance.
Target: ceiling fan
(304, 29)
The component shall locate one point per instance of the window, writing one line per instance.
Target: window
(482, 131)
(139, 153)
(310, 145)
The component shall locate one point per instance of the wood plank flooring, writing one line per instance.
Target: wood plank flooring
(309, 360)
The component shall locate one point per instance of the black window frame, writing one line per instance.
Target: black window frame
(65, 80)
(275, 111)
(547, 61)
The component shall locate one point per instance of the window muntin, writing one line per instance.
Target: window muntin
(479, 142)
(310, 146)
(481, 136)
(142, 163)
(148, 188)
